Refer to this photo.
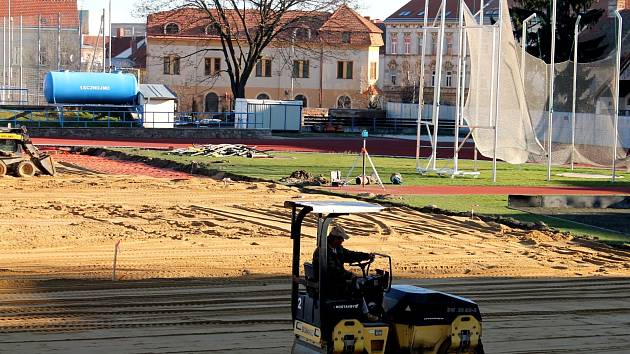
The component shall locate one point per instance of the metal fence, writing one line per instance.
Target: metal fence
(32, 46)
(103, 118)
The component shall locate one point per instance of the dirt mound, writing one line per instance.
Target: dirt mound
(304, 178)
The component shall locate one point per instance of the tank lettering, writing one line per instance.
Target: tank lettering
(95, 88)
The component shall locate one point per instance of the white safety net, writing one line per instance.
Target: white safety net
(515, 136)
(523, 103)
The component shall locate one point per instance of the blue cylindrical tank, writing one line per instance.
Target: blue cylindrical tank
(65, 87)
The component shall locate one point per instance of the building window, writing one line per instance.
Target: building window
(344, 70)
(212, 66)
(393, 80)
(263, 96)
(373, 70)
(419, 43)
(449, 46)
(263, 68)
(434, 42)
(407, 40)
(212, 102)
(344, 102)
(345, 37)
(302, 33)
(394, 39)
(171, 65)
(449, 79)
(171, 28)
(303, 99)
(301, 69)
(433, 79)
(212, 30)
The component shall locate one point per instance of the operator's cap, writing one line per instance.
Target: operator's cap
(338, 231)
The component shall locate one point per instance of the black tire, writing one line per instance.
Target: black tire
(3, 169)
(479, 349)
(443, 349)
(25, 169)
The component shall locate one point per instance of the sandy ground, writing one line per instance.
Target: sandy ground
(227, 235)
(67, 227)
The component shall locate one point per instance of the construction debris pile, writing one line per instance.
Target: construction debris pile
(304, 178)
(221, 150)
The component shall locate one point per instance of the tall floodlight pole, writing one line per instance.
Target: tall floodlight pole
(421, 84)
(437, 88)
(39, 55)
(497, 92)
(524, 44)
(552, 75)
(576, 33)
(616, 94)
(10, 37)
(21, 58)
(110, 39)
(460, 84)
(110, 35)
(4, 54)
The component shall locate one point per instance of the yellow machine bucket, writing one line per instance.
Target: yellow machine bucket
(45, 164)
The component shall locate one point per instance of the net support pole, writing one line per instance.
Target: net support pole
(421, 84)
(460, 85)
(496, 96)
(576, 33)
(551, 86)
(524, 44)
(616, 94)
(437, 88)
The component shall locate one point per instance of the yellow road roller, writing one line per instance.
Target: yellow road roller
(373, 316)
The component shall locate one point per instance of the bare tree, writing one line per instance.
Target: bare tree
(246, 27)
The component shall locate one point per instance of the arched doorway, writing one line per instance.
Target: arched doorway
(344, 102)
(263, 96)
(212, 102)
(303, 99)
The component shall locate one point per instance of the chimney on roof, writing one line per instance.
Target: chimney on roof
(368, 18)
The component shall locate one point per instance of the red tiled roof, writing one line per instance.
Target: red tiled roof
(48, 9)
(193, 23)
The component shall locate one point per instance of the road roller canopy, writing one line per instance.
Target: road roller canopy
(336, 206)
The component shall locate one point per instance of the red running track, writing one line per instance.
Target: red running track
(483, 190)
(375, 146)
(114, 167)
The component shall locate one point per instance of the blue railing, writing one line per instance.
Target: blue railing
(128, 119)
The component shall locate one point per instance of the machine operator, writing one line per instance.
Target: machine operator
(338, 278)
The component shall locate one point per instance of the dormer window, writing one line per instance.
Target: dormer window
(212, 30)
(345, 37)
(303, 33)
(171, 28)
(405, 13)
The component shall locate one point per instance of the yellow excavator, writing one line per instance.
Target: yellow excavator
(400, 318)
(18, 155)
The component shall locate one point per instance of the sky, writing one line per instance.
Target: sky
(122, 10)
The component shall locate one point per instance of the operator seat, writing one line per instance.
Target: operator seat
(312, 282)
